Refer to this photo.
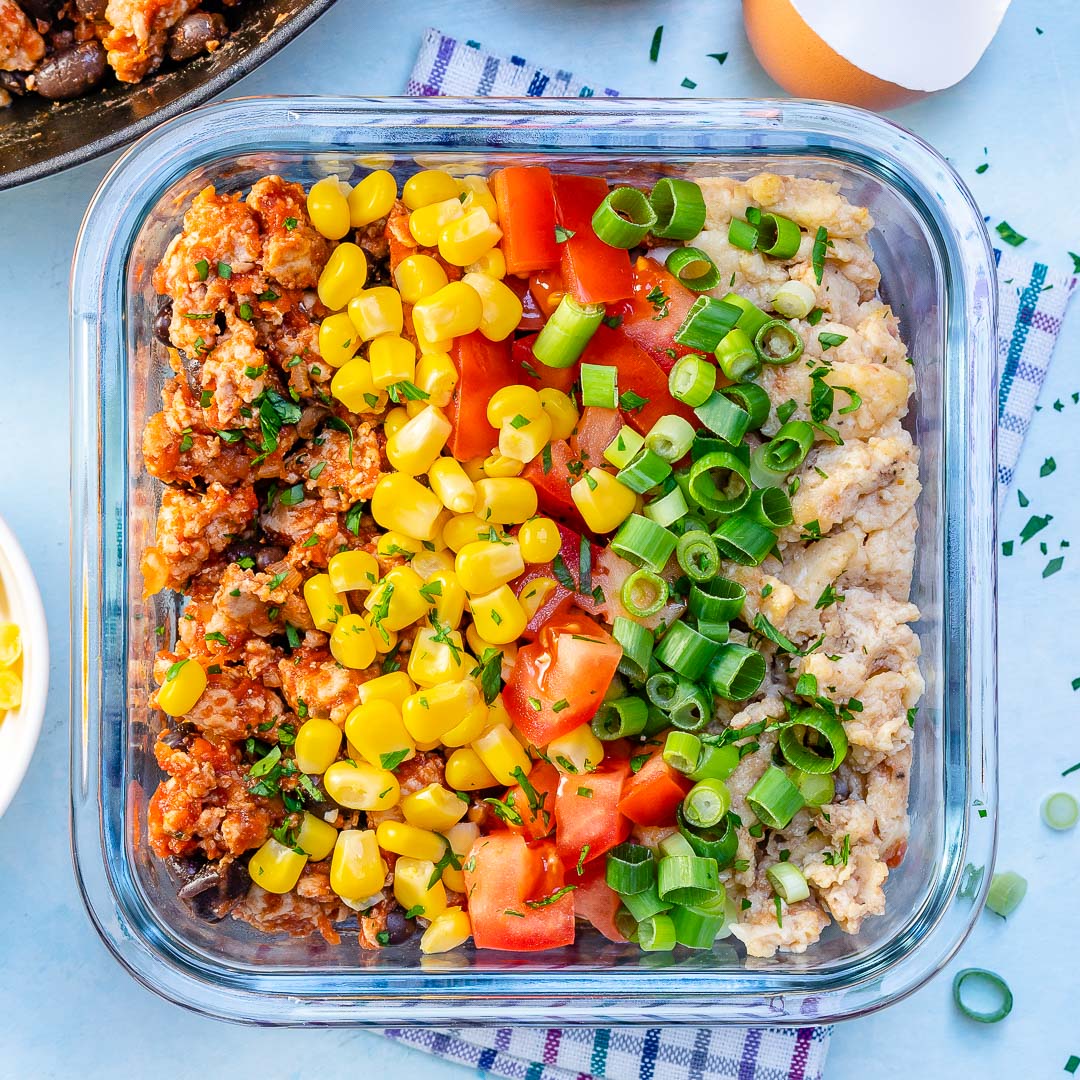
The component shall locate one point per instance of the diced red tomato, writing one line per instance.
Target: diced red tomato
(642, 318)
(553, 484)
(559, 681)
(652, 794)
(595, 432)
(638, 372)
(526, 202)
(591, 823)
(483, 367)
(594, 899)
(547, 288)
(503, 874)
(533, 373)
(539, 815)
(595, 273)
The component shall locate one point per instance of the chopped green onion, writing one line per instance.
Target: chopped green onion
(1007, 889)
(736, 672)
(637, 645)
(706, 322)
(682, 750)
(626, 924)
(656, 934)
(724, 417)
(621, 450)
(685, 651)
(667, 509)
(988, 982)
(599, 386)
(742, 540)
(563, 338)
(680, 210)
(620, 719)
(670, 437)
(720, 482)
(720, 843)
(692, 380)
(643, 594)
(713, 630)
(715, 762)
(697, 555)
(771, 507)
(817, 789)
(645, 471)
(825, 731)
(645, 904)
(631, 869)
(774, 799)
(794, 300)
(1060, 811)
(788, 448)
(624, 218)
(742, 234)
(736, 356)
(765, 339)
(663, 689)
(693, 268)
(692, 708)
(788, 882)
(675, 844)
(752, 399)
(820, 249)
(761, 475)
(686, 879)
(658, 721)
(752, 317)
(706, 803)
(719, 600)
(644, 543)
(778, 236)
(695, 929)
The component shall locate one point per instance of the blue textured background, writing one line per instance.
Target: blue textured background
(68, 1009)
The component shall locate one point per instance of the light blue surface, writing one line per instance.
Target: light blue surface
(68, 1008)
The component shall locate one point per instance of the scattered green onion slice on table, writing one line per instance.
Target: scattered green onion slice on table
(636, 642)
(668, 508)
(736, 355)
(679, 207)
(788, 448)
(1060, 811)
(622, 449)
(685, 651)
(736, 672)
(631, 869)
(774, 799)
(975, 979)
(645, 471)
(741, 539)
(794, 300)
(644, 543)
(686, 879)
(825, 731)
(788, 882)
(724, 417)
(692, 380)
(1007, 890)
(715, 762)
(695, 929)
(599, 385)
(697, 555)
(670, 437)
(694, 268)
(742, 234)
(752, 317)
(765, 343)
(656, 934)
(752, 399)
(770, 506)
(681, 751)
(621, 718)
(706, 803)
(564, 336)
(706, 322)
(643, 594)
(624, 218)
(778, 236)
(720, 482)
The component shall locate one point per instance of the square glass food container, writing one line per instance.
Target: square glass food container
(936, 271)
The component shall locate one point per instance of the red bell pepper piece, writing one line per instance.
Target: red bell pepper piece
(595, 273)
(547, 288)
(594, 899)
(533, 373)
(591, 824)
(526, 202)
(483, 367)
(533, 316)
(653, 793)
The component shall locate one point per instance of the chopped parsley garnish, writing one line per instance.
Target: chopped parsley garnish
(245, 311)
(660, 302)
(719, 57)
(1048, 466)
(631, 402)
(505, 810)
(490, 672)
(688, 84)
(1035, 525)
(352, 518)
(562, 573)
(290, 223)
(558, 894)
(218, 637)
(1053, 566)
(821, 244)
(562, 235)
(839, 858)
(828, 597)
(406, 391)
(815, 316)
(1009, 234)
(637, 762)
(830, 341)
(393, 759)
(654, 48)
(581, 859)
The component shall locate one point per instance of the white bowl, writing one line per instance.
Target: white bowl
(20, 602)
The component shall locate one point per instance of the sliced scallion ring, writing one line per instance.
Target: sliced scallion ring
(723, 417)
(631, 868)
(637, 645)
(975, 980)
(706, 322)
(752, 399)
(697, 555)
(794, 300)
(624, 218)
(742, 234)
(736, 672)
(752, 318)
(687, 879)
(668, 508)
(645, 904)
(761, 474)
(621, 450)
(824, 731)
(694, 268)
(717, 762)
(736, 355)
(692, 707)
(680, 209)
(621, 718)
(719, 600)
(720, 482)
(787, 449)
(643, 593)
(599, 386)
(644, 543)
(778, 236)
(1007, 890)
(765, 342)
(681, 751)
(656, 934)
(564, 336)
(692, 380)
(685, 651)
(788, 882)
(771, 507)
(645, 471)
(694, 929)
(741, 539)
(719, 843)
(663, 689)
(774, 799)
(670, 437)
(1060, 811)
(706, 803)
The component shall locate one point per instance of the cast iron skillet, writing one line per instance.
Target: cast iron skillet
(39, 137)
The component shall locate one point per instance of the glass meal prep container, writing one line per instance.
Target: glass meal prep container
(936, 272)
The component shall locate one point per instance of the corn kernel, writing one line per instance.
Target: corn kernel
(449, 482)
(397, 600)
(276, 868)
(475, 722)
(392, 359)
(448, 930)
(465, 771)
(404, 839)
(461, 838)
(492, 263)
(385, 640)
(474, 468)
(502, 754)
(378, 734)
(377, 311)
(10, 643)
(352, 644)
(447, 596)
(455, 310)
(403, 504)
(534, 594)
(343, 276)
(372, 198)
(353, 571)
(463, 529)
(395, 687)
(431, 345)
(427, 223)
(578, 751)
(184, 684)
(507, 500)
(315, 837)
(498, 465)
(561, 410)
(602, 501)
(433, 807)
(427, 187)
(433, 710)
(498, 616)
(395, 420)
(411, 877)
(324, 603)
(352, 385)
(509, 402)
(361, 786)
(414, 447)
(417, 276)
(338, 340)
(497, 712)
(317, 744)
(328, 208)
(464, 239)
(433, 660)
(391, 544)
(480, 646)
(437, 377)
(477, 193)
(539, 539)
(522, 439)
(483, 565)
(502, 308)
(429, 563)
(357, 870)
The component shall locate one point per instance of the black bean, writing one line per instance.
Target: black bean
(43, 11)
(14, 82)
(71, 73)
(267, 555)
(398, 928)
(193, 32)
(61, 39)
(92, 9)
(162, 321)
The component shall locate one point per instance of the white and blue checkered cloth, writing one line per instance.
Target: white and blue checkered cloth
(1032, 304)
